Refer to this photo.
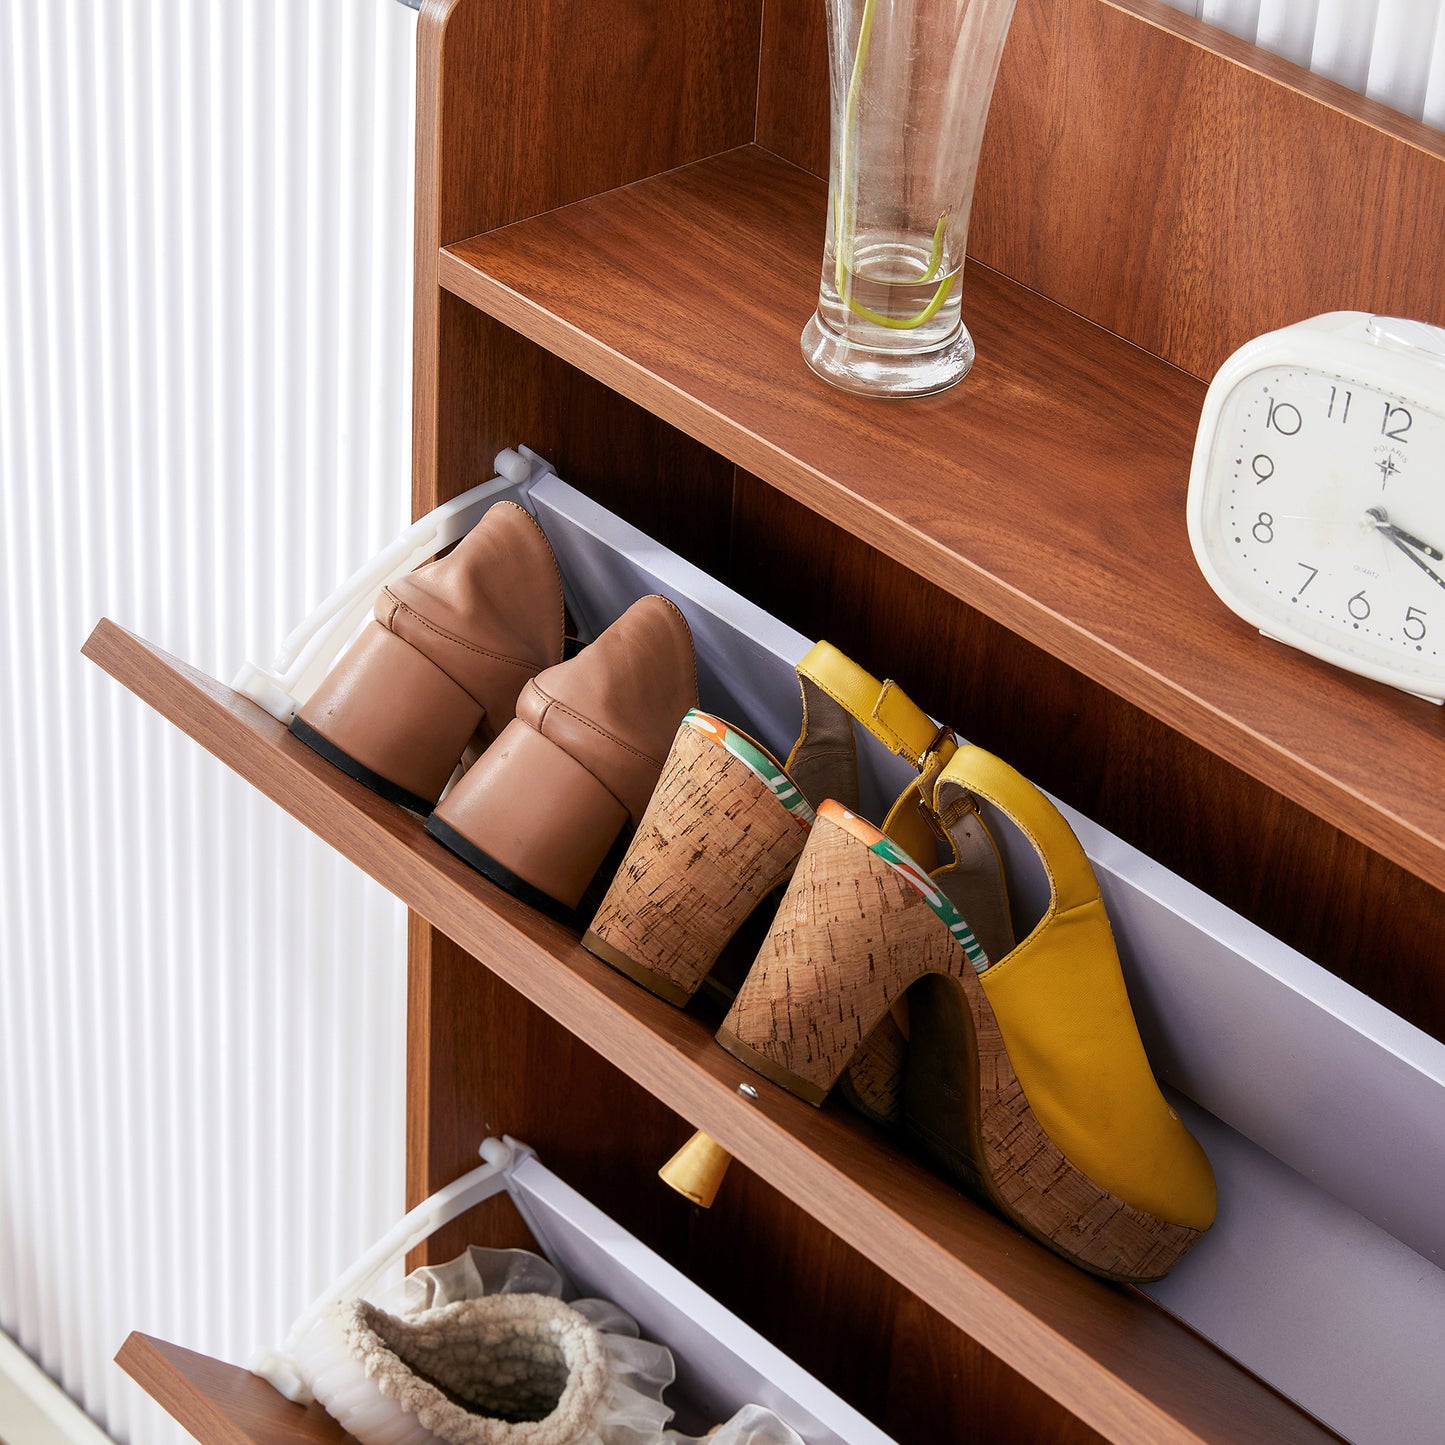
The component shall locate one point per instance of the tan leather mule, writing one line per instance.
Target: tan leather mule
(451, 647)
(540, 809)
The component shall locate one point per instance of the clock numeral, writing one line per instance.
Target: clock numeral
(1313, 571)
(1284, 417)
(1359, 606)
(1414, 619)
(1345, 409)
(1262, 467)
(1396, 423)
(1263, 530)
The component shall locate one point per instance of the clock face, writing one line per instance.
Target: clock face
(1323, 514)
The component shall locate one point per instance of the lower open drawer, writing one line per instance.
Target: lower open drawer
(721, 1364)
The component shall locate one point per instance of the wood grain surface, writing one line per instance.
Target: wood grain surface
(793, 102)
(222, 1403)
(1242, 194)
(601, 94)
(514, 119)
(1109, 1355)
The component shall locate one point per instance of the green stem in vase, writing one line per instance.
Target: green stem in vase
(844, 273)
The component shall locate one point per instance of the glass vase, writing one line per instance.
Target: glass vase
(910, 83)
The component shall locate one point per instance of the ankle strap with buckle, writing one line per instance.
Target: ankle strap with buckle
(824, 762)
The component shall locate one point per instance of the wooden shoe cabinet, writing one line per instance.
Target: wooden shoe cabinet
(619, 226)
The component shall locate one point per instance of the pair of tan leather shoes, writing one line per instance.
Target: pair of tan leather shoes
(465, 656)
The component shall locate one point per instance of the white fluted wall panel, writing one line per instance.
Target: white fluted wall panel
(1391, 50)
(205, 282)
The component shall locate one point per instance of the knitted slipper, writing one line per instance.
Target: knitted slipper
(483, 1351)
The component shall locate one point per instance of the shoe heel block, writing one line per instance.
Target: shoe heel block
(829, 971)
(528, 812)
(390, 717)
(712, 844)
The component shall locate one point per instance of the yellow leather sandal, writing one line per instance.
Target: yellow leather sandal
(1026, 1078)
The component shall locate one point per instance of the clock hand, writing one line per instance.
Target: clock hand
(1395, 537)
(1420, 562)
(1399, 536)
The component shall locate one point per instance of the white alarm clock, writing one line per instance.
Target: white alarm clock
(1317, 495)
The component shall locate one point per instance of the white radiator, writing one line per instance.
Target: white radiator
(1392, 50)
(205, 226)
(205, 343)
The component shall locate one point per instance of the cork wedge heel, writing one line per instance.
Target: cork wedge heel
(854, 930)
(728, 821)
(723, 829)
(1026, 1079)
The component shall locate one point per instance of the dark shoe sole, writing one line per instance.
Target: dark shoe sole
(500, 874)
(382, 787)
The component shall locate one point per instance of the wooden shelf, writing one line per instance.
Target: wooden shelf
(222, 1403)
(1146, 1376)
(1047, 491)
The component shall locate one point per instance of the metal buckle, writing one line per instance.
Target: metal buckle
(936, 755)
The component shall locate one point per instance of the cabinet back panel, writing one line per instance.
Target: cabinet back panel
(614, 91)
(543, 1088)
(1253, 198)
(497, 389)
(793, 85)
